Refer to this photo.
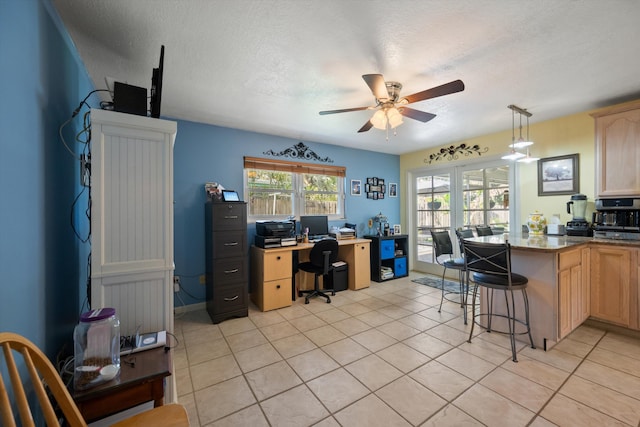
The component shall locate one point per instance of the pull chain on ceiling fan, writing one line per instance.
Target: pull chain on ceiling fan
(390, 107)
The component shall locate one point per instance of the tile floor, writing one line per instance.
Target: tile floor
(384, 356)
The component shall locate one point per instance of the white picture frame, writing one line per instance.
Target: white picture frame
(356, 187)
(397, 229)
(393, 189)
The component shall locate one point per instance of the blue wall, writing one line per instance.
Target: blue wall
(206, 153)
(42, 261)
(43, 264)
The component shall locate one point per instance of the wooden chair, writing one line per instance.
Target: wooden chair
(43, 380)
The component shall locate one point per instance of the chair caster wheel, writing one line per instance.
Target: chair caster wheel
(328, 301)
(306, 301)
(333, 294)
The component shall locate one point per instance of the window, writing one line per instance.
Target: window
(277, 188)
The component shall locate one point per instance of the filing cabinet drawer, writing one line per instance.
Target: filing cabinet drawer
(228, 299)
(229, 244)
(229, 216)
(231, 270)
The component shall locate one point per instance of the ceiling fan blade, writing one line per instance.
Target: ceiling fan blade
(366, 127)
(377, 85)
(445, 89)
(346, 110)
(415, 114)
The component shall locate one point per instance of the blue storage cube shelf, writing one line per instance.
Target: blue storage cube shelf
(387, 249)
(400, 268)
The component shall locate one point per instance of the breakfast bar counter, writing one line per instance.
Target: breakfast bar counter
(571, 279)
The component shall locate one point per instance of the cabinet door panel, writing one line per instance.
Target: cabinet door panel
(610, 280)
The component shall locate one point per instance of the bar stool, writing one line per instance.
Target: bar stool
(443, 246)
(484, 231)
(490, 264)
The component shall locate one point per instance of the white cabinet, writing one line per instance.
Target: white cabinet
(132, 219)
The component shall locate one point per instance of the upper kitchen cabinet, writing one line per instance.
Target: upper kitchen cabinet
(618, 150)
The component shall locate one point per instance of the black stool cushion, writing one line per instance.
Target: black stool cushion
(493, 280)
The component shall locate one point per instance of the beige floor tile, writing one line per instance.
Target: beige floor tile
(207, 350)
(370, 411)
(448, 334)
(442, 380)
(333, 315)
(610, 402)
(235, 326)
(180, 359)
(518, 389)
(450, 416)
(257, 357)
(398, 330)
(487, 351)
(279, 330)
(189, 403)
(337, 389)
(558, 359)
(293, 312)
(245, 340)
(374, 340)
(428, 345)
(567, 412)
(345, 351)
(296, 407)
(541, 422)
(351, 326)
(412, 306)
(587, 334)
(394, 298)
(419, 322)
(374, 318)
(615, 360)
(327, 422)
(213, 371)
(293, 345)
(625, 345)
(394, 312)
(576, 348)
(316, 305)
(251, 416)
(266, 318)
(222, 399)
(201, 335)
(324, 335)
(466, 363)
(312, 364)
(410, 399)
(491, 408)
(271, 380)
(355, 308)
(403, 357)
(308, 322)
(610, 378)
(183, 381)
(537, 372)
(373, 372)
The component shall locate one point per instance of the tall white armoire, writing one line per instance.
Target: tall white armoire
(132, 219)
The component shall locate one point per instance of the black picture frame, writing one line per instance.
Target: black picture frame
(559, 175)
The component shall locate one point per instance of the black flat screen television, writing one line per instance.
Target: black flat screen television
(318, 225)
(156, 86)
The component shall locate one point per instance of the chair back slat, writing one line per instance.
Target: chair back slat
(442, 243)
(488, 258)
(484, 231)
(42, 374)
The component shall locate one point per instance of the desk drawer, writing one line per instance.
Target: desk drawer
(276, 294)
(230, 270)
(277, 266)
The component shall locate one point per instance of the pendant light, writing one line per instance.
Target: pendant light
(521, 142)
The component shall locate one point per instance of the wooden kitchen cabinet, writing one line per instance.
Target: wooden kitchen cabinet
(573, 290)
(611, 279)
(617, 132)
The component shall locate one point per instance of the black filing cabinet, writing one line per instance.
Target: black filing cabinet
(227, 260)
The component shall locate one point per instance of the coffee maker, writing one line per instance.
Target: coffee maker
(578, 226)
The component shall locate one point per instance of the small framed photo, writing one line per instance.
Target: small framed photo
(397, 229)
(356, 187)
(393, 189)
(558, 175)
(380, 181)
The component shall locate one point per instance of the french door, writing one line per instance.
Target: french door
(457, 197)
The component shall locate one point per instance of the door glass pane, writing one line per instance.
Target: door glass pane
(433, 197)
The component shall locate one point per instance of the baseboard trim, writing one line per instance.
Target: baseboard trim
(191, 307)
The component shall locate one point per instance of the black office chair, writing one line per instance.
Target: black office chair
(490, 264)
(321, 258)
(443, 246)
(484, 231)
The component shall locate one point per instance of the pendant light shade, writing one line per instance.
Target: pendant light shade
(521, 142)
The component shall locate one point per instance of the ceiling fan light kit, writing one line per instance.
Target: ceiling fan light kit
(391, 108)
(521, 142)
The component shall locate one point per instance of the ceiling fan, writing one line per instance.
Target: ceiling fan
(391, 107)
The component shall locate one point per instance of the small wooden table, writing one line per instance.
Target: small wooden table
(138, 382)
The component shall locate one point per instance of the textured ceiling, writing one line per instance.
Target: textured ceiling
(270, 66)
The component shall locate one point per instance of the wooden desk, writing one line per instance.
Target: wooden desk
(135, 385)
(272, 270)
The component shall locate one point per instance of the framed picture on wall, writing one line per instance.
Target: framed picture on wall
(393, 189)
(356, 187)
(558, 175)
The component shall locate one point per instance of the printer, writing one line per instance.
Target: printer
(274, 234)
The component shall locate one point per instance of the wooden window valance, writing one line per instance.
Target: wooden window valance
(295, 167)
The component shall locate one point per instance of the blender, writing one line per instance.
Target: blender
(578, 226)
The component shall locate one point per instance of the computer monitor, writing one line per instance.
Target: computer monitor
(318, 225)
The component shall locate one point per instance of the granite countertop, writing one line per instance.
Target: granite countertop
(549, 243)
